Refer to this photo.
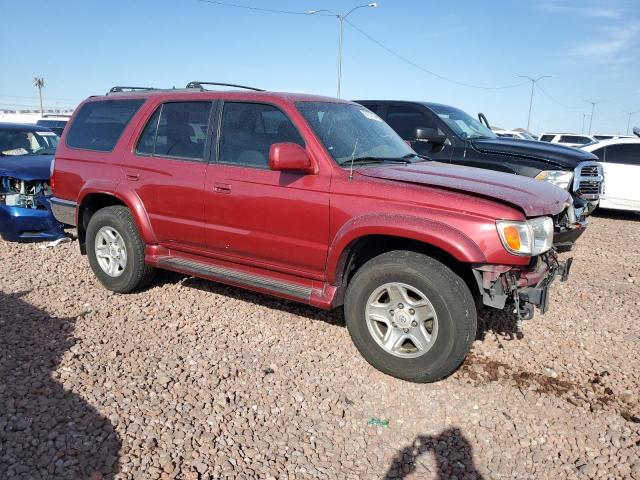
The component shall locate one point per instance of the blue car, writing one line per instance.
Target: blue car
(26, 153)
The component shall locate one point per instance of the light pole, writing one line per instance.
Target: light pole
(341, 18)
(593, 107)
(629, 119)
(584, 116)
(533, 83)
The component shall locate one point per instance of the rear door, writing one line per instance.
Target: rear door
(621, 173)
(166, 168)
(257, 216)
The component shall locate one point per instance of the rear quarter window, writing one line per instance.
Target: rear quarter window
(546, 138)
(98, 125)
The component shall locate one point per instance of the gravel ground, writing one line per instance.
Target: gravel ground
(196, 380)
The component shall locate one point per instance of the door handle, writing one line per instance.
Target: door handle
(221, 188)
(134, 177)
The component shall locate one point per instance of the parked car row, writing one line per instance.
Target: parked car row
(327, 202)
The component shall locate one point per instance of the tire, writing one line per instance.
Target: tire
(451, 330)
(129, 272)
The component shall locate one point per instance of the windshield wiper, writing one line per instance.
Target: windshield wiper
(369, 159)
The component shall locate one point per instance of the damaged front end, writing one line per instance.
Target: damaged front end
(524, 287)
(25, 211)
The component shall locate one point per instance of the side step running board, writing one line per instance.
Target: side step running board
(227, 275)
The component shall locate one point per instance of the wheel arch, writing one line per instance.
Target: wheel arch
(94, 200)
(355, 247)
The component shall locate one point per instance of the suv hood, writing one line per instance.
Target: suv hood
(533, 197)
(555, 155)
(26, 167)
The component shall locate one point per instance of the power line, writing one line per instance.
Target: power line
(555, 100)
(420, 67)
(362, 32)
(257, 9)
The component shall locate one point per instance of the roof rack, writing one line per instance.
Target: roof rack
(200, 85)
(119, 89)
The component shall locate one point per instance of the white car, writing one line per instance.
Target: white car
(611, 137)
(519, 134)
(568, 139)
(620, 159)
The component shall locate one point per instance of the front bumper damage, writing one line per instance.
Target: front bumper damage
(20, 224)
(526, 287)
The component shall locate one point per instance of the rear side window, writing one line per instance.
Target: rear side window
(600, 153)
(249, 129)
(626, 154)
(176, 129)
(575, 139)
(98, 125)
(546, 138)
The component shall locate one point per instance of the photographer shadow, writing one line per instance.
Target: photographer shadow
(451, 450)
(46, 431)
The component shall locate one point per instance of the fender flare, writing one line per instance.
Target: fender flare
(130, 199)
(430, 232)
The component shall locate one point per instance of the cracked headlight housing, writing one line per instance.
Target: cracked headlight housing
(559, 178)
(529, 238)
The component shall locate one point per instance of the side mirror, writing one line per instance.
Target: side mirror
(430, 135)
(289, 157)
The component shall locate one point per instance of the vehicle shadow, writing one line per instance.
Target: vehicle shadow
(46, 431)
(499, 322)
(617, 214)
(332, 317)
(452, 452)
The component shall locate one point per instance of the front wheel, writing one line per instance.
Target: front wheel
(410, 316)
(116, 251)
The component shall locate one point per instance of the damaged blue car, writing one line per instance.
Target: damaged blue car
(26, 153)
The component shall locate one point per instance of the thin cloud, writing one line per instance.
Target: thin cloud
(580, 9)
(615, 42)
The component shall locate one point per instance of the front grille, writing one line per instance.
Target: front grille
(587, 182)
(589, 171)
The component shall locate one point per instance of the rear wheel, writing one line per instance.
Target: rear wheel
(410, 316)
(116, 251)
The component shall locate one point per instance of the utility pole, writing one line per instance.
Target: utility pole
(38, 82)
(593, 107)
(341, 18)
(533, 83)
(629, 118)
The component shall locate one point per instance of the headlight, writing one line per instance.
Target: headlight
(560, 178)
(532, 237)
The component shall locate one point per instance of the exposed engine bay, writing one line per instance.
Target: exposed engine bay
(24, 194)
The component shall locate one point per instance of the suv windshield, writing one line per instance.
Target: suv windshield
(463, 124)
(27, 142)
(352, 132)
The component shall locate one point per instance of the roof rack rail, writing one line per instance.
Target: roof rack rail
(119, 89)
(200, 84)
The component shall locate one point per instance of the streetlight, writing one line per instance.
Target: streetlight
(533, 82)
(629, 119)
(593, 107)
(341, 18)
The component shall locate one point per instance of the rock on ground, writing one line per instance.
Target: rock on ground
(195, 380)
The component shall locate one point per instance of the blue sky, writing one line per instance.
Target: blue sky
(83, 47)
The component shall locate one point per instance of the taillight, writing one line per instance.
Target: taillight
(52, 181)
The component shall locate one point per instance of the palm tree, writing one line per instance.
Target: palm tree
(38, 82)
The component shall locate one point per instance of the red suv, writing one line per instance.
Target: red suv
(311, 199)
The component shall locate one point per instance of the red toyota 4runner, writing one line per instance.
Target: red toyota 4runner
(308, 198)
